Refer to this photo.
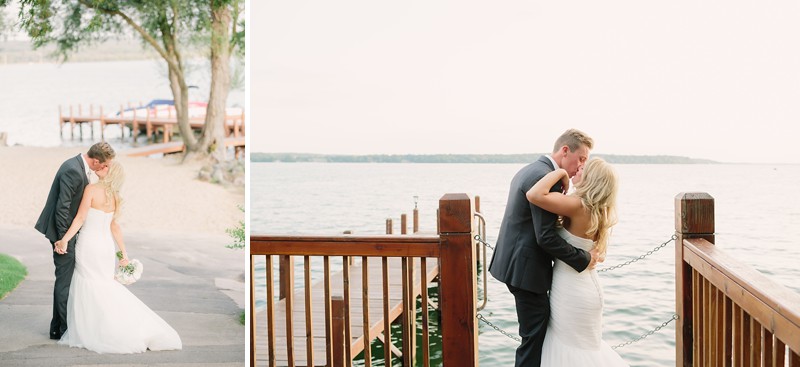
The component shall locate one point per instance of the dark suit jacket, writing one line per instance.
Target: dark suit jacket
(528, 241)
(64, 199)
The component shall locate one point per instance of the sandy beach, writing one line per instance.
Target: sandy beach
(161, 194)
(172, 222)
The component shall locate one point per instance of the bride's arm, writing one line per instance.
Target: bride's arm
(80, 217)
(116, 232)
(554, 202)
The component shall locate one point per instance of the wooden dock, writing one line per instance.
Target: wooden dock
(178, 146)
(376, 318)
(150, 123)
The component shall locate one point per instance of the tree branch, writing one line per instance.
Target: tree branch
(147, 37)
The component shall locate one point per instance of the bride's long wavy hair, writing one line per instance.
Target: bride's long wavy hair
(112, 183)
(598, 193)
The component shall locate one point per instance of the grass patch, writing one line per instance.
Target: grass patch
(241, 318)
(12, 272)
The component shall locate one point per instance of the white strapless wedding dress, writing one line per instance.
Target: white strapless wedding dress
(102, 314)
(574, 333)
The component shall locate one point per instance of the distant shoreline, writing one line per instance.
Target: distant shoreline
(461, 158)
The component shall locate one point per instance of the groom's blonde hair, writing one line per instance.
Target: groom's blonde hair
(573, 138)
(598, 193)
(101, 151)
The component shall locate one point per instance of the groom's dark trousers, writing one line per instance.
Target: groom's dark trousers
(523, 259)
(59, 211)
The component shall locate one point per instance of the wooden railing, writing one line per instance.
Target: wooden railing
(729, 314)
(293, 341)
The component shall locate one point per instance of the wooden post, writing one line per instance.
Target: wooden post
(416, 220)
(457, 281)
(337, 309)
(403, 224)
(121, 123)
(80, 114)
(102, 125)
(253, 312)
(389, 225)
(694, 218)
(286, 277)
(71, 124)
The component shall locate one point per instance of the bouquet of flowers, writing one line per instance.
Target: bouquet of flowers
(130, 273)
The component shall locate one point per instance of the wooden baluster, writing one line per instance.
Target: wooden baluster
(309, 321)
(270, 313)
(766, 347)
(253, 339)
(737, 335)
(326, 282)
(389, 226)
(747, 349)
(365, 304)
(697, 323)
(727, 330)
(286, 279)
(348, 339)
(755, 342)
(338, 331)
(423, 269)
(794, 359)
(778, 353)
(406, 326)
(387, 326)
(289, 302)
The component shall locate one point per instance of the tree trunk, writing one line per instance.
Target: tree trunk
(180, 96)
(213, 137)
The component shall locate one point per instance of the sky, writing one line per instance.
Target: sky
(715, 80)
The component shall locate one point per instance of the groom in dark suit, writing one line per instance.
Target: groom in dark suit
(59, 211)
(528, 243)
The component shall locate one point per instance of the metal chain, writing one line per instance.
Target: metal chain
(479, 239)
(620, 345)
(493, 326)
(651, 332)
(631, 261)
(648, 253)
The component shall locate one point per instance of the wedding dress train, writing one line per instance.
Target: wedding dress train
(102, 314)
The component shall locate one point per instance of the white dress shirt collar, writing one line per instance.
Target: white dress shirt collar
(555, 165)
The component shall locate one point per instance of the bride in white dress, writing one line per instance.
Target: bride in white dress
(574, 332)
(102, 314)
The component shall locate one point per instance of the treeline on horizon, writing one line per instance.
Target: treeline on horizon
(459, 158)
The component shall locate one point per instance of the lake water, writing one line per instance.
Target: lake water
(757, 222)
(31, 94)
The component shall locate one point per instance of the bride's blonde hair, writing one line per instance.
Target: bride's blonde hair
(112, 183)
(598, 193)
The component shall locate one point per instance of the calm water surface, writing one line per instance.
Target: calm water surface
(757, 222)
(31, 94)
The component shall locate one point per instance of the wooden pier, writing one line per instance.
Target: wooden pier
(150, 124)
(237, 144)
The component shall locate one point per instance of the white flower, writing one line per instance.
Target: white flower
(130, 273)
